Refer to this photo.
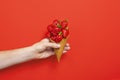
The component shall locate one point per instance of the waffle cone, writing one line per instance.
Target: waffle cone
(59, 51)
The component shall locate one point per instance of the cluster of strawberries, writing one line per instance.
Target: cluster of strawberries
(58, 30)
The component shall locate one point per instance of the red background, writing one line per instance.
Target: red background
(94, 40)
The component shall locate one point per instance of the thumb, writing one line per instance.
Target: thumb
(52, 45)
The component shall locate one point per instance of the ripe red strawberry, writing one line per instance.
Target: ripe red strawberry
(65, 33)
(56, 22)
(50, 27)
(48, 35)
(64, 24)
(58, 38)
(57, 30)
(53, 38)
(54, 33)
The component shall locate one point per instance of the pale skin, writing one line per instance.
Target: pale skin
(39, 50)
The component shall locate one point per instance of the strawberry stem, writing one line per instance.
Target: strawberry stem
(67, 28)
(60, 33)
(66, 20)
(59, 26)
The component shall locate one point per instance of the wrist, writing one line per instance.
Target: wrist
(25, 54)
(30, 52)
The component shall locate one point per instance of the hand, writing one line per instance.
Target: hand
(45, 48)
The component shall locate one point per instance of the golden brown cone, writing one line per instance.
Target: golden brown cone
(59, 51)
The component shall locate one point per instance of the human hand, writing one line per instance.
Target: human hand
(45, 48)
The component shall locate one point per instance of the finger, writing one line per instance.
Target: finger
(67, 45)
(67, 48)
(45, 40)
(52, 45)
(64, 52)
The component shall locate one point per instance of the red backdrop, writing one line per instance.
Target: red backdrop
(94, 40)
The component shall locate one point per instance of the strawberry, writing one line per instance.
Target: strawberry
(50, 27)
(57, 30)
(58, 38)
(64, 24)
(54, 33)
(48, 35)
(53, 38)
(56, 22)
(65, 33)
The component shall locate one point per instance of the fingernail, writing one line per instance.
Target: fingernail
(64, 52)
(68, 48)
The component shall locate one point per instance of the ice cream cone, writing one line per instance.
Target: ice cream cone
(59, 51)
(58, 32)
